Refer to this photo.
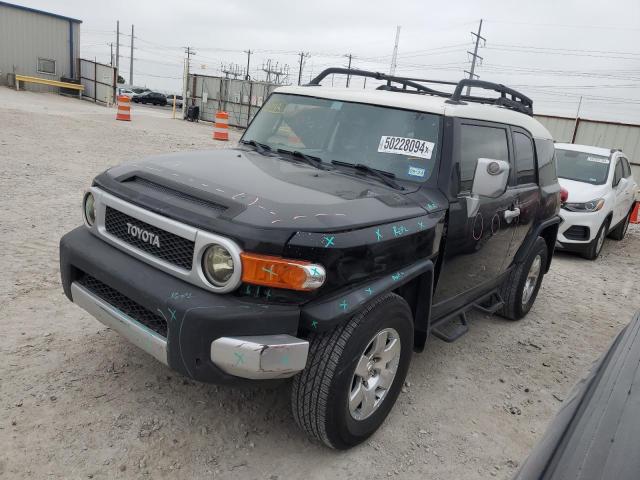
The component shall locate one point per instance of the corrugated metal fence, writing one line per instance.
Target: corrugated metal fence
(593, 132)
(98, 80)
(241, 99)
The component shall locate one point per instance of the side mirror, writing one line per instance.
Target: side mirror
(491, 177)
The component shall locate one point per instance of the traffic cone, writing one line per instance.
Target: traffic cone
(221, 126)
(124, 108)
(635, 214)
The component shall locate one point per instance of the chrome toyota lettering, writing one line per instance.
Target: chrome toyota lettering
(144, 235)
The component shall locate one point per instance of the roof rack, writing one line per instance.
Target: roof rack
(508, 98)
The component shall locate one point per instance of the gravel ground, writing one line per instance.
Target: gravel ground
(78, 401)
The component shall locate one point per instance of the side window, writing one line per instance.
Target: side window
(618, 174)
(479, 142)
(546, 162)
(525, 160)
(626, 169)
(47, 66)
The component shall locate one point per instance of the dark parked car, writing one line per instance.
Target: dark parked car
(154, 98)
(596, 434)
(345, 227)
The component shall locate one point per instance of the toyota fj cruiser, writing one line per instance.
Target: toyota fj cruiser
(345, 227)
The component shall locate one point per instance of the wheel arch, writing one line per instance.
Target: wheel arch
(413, 283)
(548, 230)
(418, 293)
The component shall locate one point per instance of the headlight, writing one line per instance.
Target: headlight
(217, 265)
(591, 206)
(89, 209)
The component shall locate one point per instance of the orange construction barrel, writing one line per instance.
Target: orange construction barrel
(124, 108)
(221, 126)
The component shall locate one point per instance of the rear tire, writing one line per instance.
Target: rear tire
(620, 231)
(346, 391)
(520, 289)
(595, 247)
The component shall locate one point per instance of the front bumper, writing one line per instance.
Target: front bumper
(210, 337)
(578, 229)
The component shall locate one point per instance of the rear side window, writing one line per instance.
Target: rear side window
(618, 173)
(626, 169)
(476, 142)
(546, 162)
(525, 161)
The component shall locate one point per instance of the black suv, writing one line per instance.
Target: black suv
(154, 98)
(345, 227)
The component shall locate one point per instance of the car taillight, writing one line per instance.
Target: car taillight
(564, 195)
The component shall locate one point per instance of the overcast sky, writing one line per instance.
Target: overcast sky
(553, 51)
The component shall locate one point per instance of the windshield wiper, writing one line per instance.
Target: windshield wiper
(310, 159)
(384, 177)
(260, 147)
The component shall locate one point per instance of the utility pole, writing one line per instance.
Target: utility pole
(189, 51)
(303, 55)
(577, 122)
(131, 59)
(117, 50)
(248, 52)
(394, 57)
(349, 67)
(111, 56)
(475, 55)
(277, 72)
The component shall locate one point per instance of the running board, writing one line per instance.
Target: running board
(490, 304)
(452, 329)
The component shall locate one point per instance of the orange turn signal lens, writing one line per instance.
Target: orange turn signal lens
(277, 272)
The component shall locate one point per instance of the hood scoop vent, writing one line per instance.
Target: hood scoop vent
(142, 185)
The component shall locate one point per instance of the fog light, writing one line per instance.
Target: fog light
(89, 209)
(217, 265)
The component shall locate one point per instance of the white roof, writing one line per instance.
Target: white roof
(424, 103)
(605, 152)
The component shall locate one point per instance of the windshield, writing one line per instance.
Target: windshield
(402, 142)
(582, 167)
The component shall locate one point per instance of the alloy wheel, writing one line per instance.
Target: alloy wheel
(532, 279)
(374, 374)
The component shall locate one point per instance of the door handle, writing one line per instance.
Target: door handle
(511, 214)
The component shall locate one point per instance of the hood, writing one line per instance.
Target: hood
(267, 192)
(581, 191)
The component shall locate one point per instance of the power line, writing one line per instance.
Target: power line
(560, 25)
(565, 49)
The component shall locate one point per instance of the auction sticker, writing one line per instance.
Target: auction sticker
(406, 146)
(598, 159)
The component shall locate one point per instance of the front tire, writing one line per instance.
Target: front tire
(354, 374)
(520, 289)
(620, 231)
(595, 247)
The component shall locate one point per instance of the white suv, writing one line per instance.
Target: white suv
(601, 194)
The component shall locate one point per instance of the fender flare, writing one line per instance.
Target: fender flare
(526, 246)
(329, 311)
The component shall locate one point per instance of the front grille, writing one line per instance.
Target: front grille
(577, 232)
(123, 303)
(173, 248)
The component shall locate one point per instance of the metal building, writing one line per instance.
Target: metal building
(625, 136)
(38, 44)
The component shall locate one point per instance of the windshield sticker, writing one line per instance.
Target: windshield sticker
(598, 159)
(416, 172)
(406, 146)
(336, 105)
